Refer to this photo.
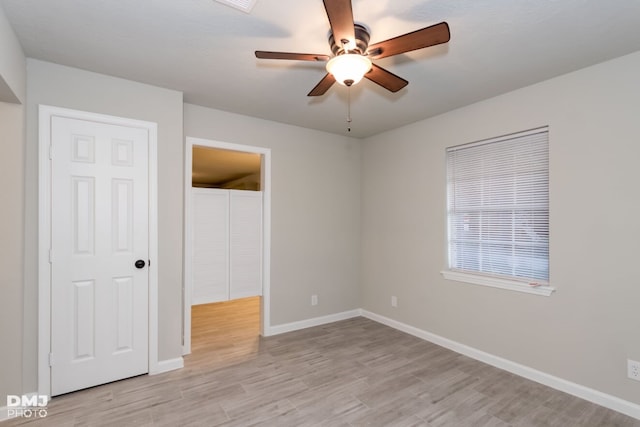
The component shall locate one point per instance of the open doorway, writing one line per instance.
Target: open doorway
(227, 236)
(224, 333)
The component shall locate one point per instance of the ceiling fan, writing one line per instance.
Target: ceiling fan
(352, 54)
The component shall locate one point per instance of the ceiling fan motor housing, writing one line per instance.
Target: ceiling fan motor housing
(362, 42)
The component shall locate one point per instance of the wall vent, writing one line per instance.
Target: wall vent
(243, 5)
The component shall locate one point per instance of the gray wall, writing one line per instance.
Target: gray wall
(315, 210)
(11, 247)
(13, 78)
(60, 86)
(12, 157)
(586, 330)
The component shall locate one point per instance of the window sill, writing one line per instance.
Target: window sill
(494, 282)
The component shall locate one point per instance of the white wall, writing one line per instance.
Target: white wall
(315, 210)
(52, 84)
(586, 330)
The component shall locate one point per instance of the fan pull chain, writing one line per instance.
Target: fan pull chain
(348, 108)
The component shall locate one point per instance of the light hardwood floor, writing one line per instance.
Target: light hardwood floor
(350, 373)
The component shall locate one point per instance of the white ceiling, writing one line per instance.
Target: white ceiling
(206, 49)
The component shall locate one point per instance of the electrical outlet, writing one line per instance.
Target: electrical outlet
(314, 299)
(633, 369)
(394, 301)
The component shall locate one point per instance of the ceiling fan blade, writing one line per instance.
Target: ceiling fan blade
(323, 86)
(429, 36)
(292, 56)
(340, 14)
(385, 78)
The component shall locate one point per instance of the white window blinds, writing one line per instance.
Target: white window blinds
(498, 206)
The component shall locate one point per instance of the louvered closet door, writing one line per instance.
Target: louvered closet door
(227, 244)
(245, 244)
(210, 255)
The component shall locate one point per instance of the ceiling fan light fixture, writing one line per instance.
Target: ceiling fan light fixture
(349, 68)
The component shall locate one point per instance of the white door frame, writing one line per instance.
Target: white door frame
(46, 113)
(265, 170)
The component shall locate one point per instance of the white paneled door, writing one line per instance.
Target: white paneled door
(99, 253)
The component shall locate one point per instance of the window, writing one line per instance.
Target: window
(498, 212)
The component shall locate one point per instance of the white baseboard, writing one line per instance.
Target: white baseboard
(308, 323)
(167, 365)
(608, 401)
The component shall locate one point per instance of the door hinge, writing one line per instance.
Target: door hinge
(50, 256)
(50, 359)
(50, 152)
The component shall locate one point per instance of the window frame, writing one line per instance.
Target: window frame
(512, 283)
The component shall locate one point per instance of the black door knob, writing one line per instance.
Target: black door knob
(139, 263)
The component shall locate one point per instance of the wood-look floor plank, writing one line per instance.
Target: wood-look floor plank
(350, 373)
